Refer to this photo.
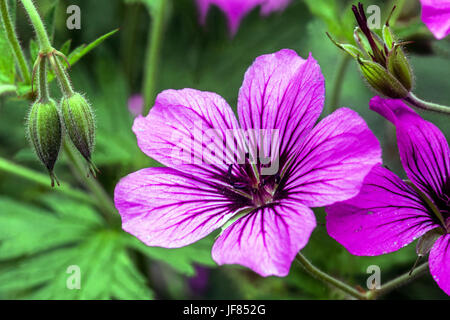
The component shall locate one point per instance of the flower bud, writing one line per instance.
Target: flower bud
(382, 61)
(382, 80)
(45, 133)
(79, 122)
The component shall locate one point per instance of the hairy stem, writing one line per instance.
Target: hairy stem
(338, 82)
(368, 295)
(319, 274)
(414, 101)
(61, 74)
(14, 42)
(152, 56)
(43, 95)
(105, 202)
(44, 42)
(398, 282)
(42, 180)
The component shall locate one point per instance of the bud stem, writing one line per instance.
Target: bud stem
(44, 42)
(43, 95)
(62, 76)
(414, 101)
(14, 42)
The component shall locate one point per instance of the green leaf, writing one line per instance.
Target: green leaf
(25, 230)
(39, 244)
(65, 48)
(180, 259)
(82, 50)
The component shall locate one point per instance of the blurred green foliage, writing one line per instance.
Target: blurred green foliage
(42, 232)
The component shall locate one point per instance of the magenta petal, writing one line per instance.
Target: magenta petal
(436, 16)
(270, 6)
(285, 92)
(235, 10)
(440, 263)
(333, 160)
(183, 130)
(162, 207)
(267, 239)
(385, 216)
(424, 150)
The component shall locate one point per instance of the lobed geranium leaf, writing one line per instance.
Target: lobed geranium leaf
(38, 245)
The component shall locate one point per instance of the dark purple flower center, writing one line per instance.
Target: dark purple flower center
(253, 188)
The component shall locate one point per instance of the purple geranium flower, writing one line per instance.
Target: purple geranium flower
(263, 207)
(235, 10)
(436, 16)
(390, 213)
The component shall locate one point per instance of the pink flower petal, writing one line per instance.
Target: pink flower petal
(333, 160)
(424, 150)
(384, 217)
(267, 239)
(235, 10)
(175, 132)
(436, 16)
(440, 263)
(285, 92)
(163, 207)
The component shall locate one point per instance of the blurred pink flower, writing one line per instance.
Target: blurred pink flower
(136, 104)
(235, 10)
(436, 16)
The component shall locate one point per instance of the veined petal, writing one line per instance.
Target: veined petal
(285, 92)
(162, 207)
(333, 160)
(436, 16)
(187, 130)
(267, 239)
(440, 262)
(424, 150)
(385, 216)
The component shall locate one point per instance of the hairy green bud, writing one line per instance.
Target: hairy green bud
(381, 60)
(45, 133)
(79, 122)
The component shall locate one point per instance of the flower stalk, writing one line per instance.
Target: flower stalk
(14, 42)
(368, 295)
(152, 55)
(416, 102)
(319, 274)
(44, 42)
